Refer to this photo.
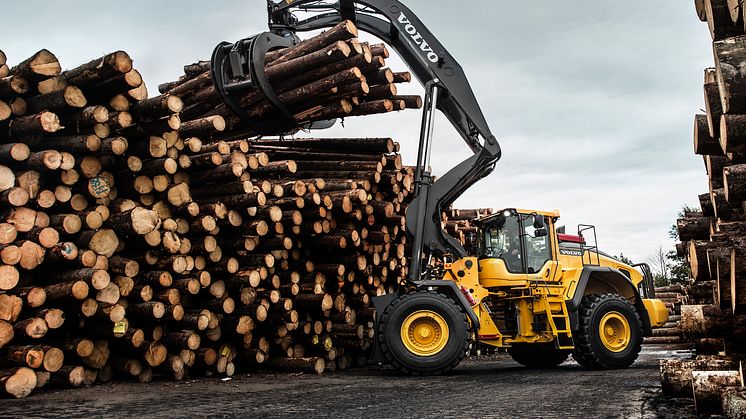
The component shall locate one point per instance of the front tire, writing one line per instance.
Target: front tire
(423, 333)
(610, 335)
(538, 355)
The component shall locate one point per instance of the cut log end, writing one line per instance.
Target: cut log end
(19, 383)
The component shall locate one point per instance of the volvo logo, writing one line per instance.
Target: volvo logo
(417, 38)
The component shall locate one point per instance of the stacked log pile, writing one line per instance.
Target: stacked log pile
(156, 237)
(459, 224)
(713, 240)
(673, 296)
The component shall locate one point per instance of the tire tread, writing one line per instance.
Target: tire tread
(410, 371)
(583, 352)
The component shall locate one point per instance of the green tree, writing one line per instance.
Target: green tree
(678, 267)
(624, 259)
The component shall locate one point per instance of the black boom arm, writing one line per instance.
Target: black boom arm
(447, 89)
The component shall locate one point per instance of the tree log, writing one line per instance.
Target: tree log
(693, 228)
(312, 365)
(41, 123)
(18, 382)
(708, 144)
(729, 56)
(61, 101)
(341, 32)
(719, 20)
(702, 321)
(34, 328)
(676, 374)
(734, 402)
(100, 69)
(708, 386)
(733, 182)
(706, 205)
(737, 281)
(40, 66)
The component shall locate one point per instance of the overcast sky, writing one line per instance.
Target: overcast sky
(592, 101)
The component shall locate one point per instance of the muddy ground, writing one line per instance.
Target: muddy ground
(491, 386)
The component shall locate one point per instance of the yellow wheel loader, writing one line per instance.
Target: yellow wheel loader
(540, 293)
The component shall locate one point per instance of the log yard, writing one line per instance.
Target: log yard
(349, 208)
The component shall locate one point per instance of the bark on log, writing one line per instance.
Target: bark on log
(676, 374)
(734, 183)
(733, 133)
(341, 32)
(704, 143)
(41, 123)
(734, 402)
(708, 386)
(719, 21)
(100, 69)
(65, 100)
(693, 228)
(702, 321)
(312, 365)
(706, 204)
(708, 346)
(40, 66)
(729, 57)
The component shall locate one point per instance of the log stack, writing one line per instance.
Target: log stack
(459, 223)
(159, 237)
(713, 240)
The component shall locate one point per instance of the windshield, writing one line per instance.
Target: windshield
(501, 240)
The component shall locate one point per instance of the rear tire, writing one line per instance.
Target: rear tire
(440, 324)
(538, 355)
(615, 345)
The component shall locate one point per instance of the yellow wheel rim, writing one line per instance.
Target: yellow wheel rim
(424, 333)
(614, 331)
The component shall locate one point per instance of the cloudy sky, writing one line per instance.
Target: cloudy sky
(592, 101)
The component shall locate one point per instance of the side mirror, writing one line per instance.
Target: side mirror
(539, 222)
(540, 232)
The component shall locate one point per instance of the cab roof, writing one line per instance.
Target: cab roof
(551, 214)
(554, 214)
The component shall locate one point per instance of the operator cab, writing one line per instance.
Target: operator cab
(516, 245)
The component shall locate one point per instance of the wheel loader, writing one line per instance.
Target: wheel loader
(526, 286)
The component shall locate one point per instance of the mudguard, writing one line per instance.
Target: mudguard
(609, 274)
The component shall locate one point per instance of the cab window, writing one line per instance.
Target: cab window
(538, 250)
(502, 241)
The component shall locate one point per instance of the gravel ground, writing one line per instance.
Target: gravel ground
(493, 386)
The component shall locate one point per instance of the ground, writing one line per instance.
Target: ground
(488, 386)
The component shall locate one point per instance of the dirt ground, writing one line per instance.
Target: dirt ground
(491, 386)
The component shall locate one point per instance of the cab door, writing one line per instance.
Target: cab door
(538, 248)
(501, 259)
